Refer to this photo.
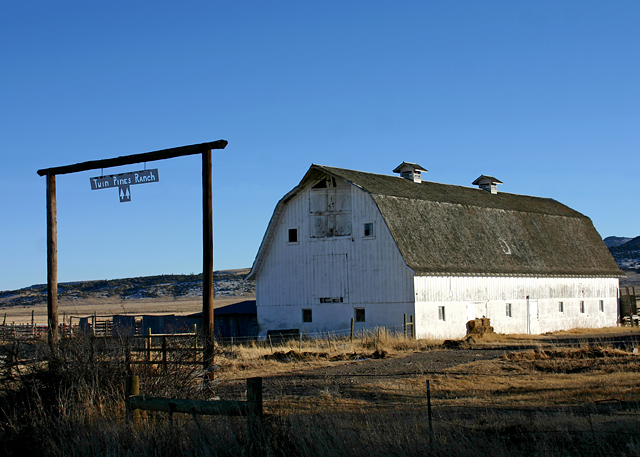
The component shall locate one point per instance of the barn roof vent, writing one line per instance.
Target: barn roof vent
(488, 183)
(411, 171)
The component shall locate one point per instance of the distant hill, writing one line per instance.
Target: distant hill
(615, 241)
(626, 251)
(226, 283)
(634, 243)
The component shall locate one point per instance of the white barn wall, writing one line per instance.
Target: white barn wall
(366, 272)
(482, 296)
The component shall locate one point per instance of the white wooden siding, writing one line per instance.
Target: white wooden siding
(490, 295)
(369, 272)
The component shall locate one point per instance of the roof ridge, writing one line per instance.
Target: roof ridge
(428, 182)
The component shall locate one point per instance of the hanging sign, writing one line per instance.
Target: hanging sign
(124, 181)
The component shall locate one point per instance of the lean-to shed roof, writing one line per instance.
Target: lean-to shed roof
(447, 229)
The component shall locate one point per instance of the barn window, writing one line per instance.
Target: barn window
(602, 306)
(368, 229)
(307, 315)
(561, 307)
(331, 299)
(508, 309)
(293, 235)
(582, 306)
(441, 315)
(360, 316)
(330, 209)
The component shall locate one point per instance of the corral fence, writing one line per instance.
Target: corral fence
(250, 408)
(110, 326)
(629, 306)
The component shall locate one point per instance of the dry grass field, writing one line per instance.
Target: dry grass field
(632, 279)
(111, 306)
(572, 394)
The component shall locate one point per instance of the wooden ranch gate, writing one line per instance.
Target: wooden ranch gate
(207, 230)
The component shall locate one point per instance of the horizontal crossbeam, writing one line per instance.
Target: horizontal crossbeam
(174, 405)
(134, 158)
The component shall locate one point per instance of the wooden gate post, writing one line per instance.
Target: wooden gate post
(52, 249)
(207, 261)
(52, 263)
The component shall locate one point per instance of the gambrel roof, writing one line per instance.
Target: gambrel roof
(446, 229)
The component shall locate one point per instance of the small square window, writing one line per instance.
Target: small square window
(441, 315)
(368, 229)
(307, 315)
(581, 306)
(561, 307)
(508, 309)
(293, 235)
(602, 306)
(360, 316)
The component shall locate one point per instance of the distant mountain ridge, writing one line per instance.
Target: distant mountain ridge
(226, 283)
(615, 241)
(626, 251)
(632, 244)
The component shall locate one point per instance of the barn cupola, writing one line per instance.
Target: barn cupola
(410, 171)
(488, 183)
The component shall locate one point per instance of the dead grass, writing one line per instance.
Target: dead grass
(110, 306)
(543, 378)
(545, 401)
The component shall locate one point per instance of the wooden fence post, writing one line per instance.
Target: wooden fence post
(429, 415)
(429, 406)
(164, 352)
(132, 387)
(404, 326)
(254, 406)
(127, 356)
(351, 331)
(147, 341)
(195, 342)
(629, 305)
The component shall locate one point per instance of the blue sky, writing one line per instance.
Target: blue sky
(543, 95)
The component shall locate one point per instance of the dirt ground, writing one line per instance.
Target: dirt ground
(367, 375)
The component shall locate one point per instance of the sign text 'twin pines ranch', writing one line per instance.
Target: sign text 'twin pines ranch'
(123, 182)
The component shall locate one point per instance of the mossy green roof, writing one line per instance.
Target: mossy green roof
(448, 229)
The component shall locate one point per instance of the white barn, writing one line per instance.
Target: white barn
(348, 244)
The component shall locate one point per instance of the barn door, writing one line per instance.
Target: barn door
(532, 317)
(330, 277)
(471, 311)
